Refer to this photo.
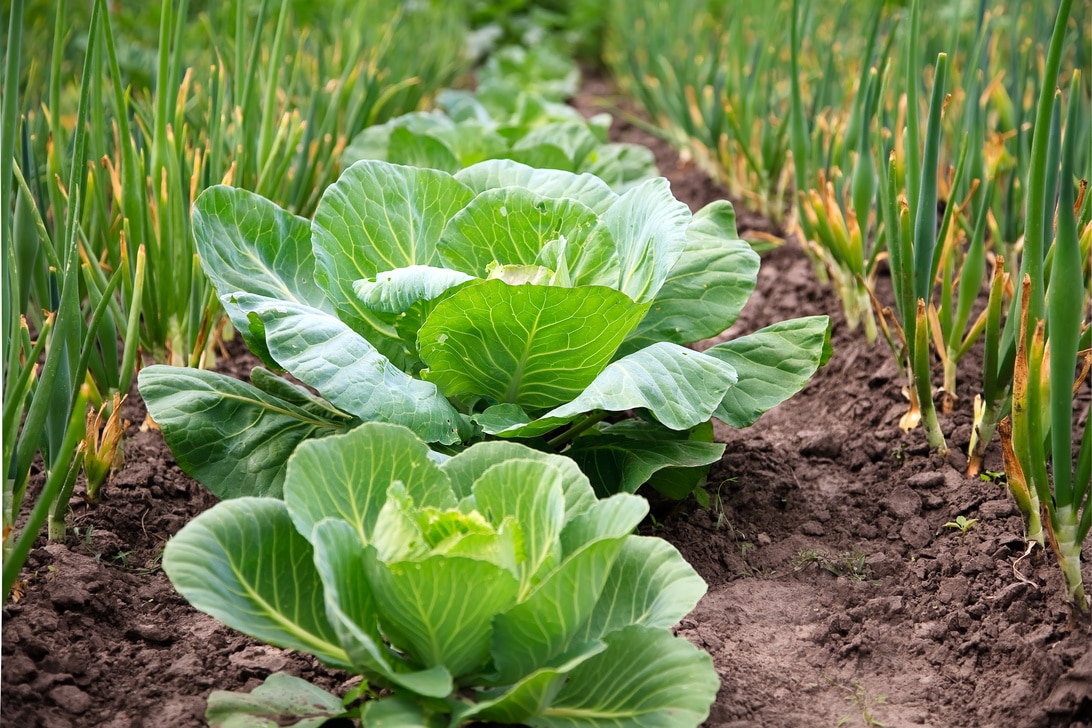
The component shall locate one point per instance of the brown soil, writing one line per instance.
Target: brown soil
(836, 595)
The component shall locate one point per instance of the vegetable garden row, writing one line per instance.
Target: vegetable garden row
(482, 328)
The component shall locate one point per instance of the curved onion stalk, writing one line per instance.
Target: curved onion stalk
(834, 210)
(69, 452)
(711, 88)
(1070, 512)
(1002, 343)
(991, 405)
(1016, 443)
(914, 259)
(1045, 384)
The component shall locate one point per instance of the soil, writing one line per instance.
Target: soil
(837, 597)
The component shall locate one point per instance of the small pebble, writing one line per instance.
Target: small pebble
(70, 698)
(928, 479)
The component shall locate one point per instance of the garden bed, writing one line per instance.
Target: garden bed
(836, 594)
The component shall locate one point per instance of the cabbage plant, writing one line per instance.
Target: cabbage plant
(502, 124)
(499, 302)
(491, 587)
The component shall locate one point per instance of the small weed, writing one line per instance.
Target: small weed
(151, 566)
(962, 523)
(715, 503)
(85, 538)
(850, 564)
(865, 703)
(993, 476)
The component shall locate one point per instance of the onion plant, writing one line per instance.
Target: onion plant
(836, 218)
(249, 108)
(1053, 328)
(45, 367)
(713, 84)
(910, 237)
(1029, 161)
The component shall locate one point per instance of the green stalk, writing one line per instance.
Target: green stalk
(971, 273)
(1024, 384)
(269, 105)
(132, 330)
(923, 385)
(944, 255)
(53, 395)
(577, 429)
(13, 564)
(57, 526)
(18, 387)
(925, 220)
(1031, 263)
(99, 313)
(913, 133)
(11, 319)
(1065, 314)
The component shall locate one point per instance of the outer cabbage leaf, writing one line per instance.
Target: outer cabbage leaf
(650, 584)
(374, 141)
(773, 364)
(247, 243)
(510, 343)
(680, 387)
(232, 436)
(462, 105)
(708, 286)
(622, 166)
(473, 142)
(511, 420)
(541, 156)
(281, 698)
(646, 678)
(396, 711)
(565, 597)
(351, 608)
(574, 138)
(521, 701)
(344, 367)
(245, 564)
(419, 150)
(615, 463)
(417, 614)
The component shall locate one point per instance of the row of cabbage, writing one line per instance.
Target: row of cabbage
(500, 353)
(493, 305)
